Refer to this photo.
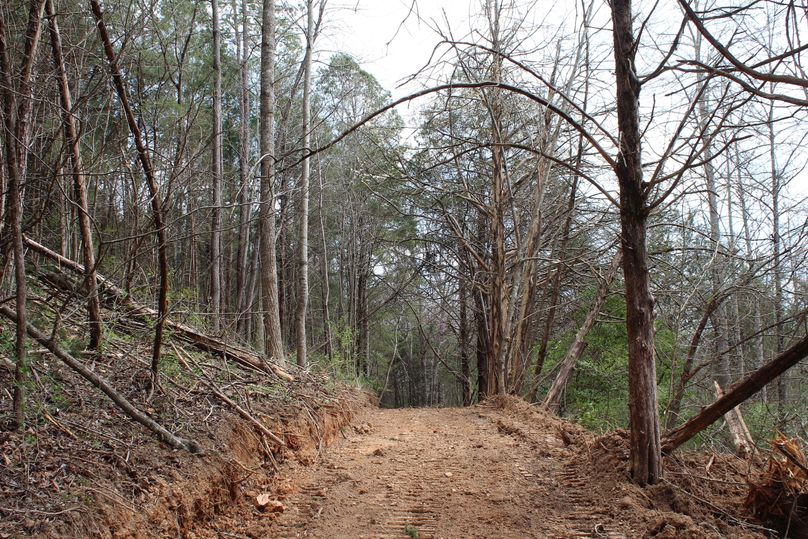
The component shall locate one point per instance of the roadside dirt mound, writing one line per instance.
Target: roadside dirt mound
(701, 495)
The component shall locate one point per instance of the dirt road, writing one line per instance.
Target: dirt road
(435, 473)
(478, 472)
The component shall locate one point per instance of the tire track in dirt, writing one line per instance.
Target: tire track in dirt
(504, 470)
(434, 473)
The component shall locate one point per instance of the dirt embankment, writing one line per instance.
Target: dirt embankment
(502, 469)
(84, 470)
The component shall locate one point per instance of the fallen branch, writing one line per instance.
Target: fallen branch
(735, 395)
(116, 298)
(205, 379)
(128, 408)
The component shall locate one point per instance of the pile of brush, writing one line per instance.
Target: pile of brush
(779, 498)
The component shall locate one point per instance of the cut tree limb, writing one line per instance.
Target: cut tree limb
(117, 298)
(127, 407)
(737, 393)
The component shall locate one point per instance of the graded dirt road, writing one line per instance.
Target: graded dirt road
(480, 472)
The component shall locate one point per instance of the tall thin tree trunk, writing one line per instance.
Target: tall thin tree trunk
(79, 185)
(465, 367)
(757, 319)
(151, 181)
(16, 109)
(782, 393)
(303, 232)
(325, 278)
(497, 292)
(216, 218)
(244, 193)
(269, 275)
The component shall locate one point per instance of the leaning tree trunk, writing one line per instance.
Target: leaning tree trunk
(553, 400)
(643, 414)
(151, 181)
(736, 394)
(79, 185)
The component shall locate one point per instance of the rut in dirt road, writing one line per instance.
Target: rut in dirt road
(439, 473)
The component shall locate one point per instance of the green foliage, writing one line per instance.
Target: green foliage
(598, 392)
(411, 530)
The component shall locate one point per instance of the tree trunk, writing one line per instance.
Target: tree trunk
(303, 231)
(16, 109)
(244, 197)
(553, 400)
(269, 274)
(782, 394)
(744, 445)
(154, 195)
(643, 414)
(325, 278)
(463, 345)
(218, 169)
(79, 186)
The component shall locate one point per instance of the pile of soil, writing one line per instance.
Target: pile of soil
(701, 495)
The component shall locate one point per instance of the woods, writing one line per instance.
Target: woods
(603, 212)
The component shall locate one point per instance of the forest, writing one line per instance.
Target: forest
(601, 208)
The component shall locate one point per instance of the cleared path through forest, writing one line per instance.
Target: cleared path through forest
(432, 473)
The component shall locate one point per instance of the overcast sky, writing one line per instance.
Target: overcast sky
(391, 39)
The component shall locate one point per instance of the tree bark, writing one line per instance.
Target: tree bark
(244, 192)
(16, 109)
(744, 445)
(643, 413)
(216, 218)
(736, 394)
(273, 336)
(79, 185)
(303, 231)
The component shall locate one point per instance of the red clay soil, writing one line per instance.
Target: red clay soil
(499, 470)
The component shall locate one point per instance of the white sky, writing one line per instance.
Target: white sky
(388, 39)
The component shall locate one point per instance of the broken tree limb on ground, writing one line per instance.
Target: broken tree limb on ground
(127, 407)
(206, 380)
(117, 298)
(737, 393)
(741, 438)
